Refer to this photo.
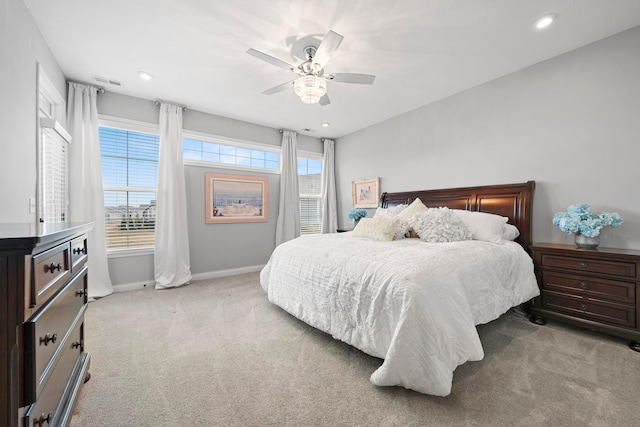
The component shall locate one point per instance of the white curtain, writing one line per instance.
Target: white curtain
(172, 266)
(329, 198)
(288, 225)
(86, 198)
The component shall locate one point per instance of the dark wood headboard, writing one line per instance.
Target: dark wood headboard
(515, 201)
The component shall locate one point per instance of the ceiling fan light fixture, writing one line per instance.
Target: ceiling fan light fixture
(310, 88)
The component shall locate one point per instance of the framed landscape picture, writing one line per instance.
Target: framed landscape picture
(236, 198)
(366, 193)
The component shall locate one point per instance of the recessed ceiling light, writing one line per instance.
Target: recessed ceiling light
(325, 125)
(545, 21)
(144, 75)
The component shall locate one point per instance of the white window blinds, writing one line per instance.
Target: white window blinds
(53, 187)
(310, 186)
(130, 180)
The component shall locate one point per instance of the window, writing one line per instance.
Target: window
(226, 153)
(130, 180)
(53, 153)
(202, 149)
(310, 187)
(53, 145)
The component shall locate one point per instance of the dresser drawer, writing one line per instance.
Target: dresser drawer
(50, 270)
(48, 330)
(78, 253)
(47, 409)
(590, 309)
(604, 289)
(609, 268)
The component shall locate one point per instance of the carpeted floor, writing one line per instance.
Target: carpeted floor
(217, 353)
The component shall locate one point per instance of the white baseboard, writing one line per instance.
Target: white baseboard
(126, 287)
(229, 272)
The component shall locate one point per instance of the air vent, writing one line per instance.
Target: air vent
(107, 81)
(308, 130)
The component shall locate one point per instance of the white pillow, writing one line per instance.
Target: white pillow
(403, 228)
(483, 226)
(391, 212)
(510, 232)
(440, 225)
(415, 207)
(383, 229)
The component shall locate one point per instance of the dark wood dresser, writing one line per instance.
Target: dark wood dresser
(593, 288)
(43, 297)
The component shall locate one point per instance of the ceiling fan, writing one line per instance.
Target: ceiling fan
(311, 83)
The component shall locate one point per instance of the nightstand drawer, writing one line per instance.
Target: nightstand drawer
(586, 308)
(612, 290)
(610, 268)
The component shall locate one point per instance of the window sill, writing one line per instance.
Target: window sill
(122, 253)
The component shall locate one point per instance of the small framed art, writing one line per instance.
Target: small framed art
(366, 193)
(236, 198)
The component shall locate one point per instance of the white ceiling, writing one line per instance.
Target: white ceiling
(420, 50)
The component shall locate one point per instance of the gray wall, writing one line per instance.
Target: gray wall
(571, 123)
(214, 248)
(21, 49)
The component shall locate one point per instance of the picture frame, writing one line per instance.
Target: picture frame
(234, 198)
(366, 193)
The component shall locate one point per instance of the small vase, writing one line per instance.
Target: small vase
(587, 242)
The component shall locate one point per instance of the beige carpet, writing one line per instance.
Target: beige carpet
(217, 353)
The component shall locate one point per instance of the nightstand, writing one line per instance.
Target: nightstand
(592, 288)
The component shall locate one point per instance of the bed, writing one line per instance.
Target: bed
(412, 303)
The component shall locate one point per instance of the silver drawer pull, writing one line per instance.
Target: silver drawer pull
(49, 339)
(583, 306)
(583, 285)
(584, 265)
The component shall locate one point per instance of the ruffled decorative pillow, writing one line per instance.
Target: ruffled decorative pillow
(403, 228)
(382, 229)
(438, 225)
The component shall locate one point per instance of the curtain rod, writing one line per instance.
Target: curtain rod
(100, 89)
(282, 130)
(158, 102)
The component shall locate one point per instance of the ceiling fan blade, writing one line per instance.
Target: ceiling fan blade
(324, 100)
(361, 79)
(270, 59)
(279, 88)
(327, 47)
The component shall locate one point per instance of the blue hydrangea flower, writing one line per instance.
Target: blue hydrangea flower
(580, 220)
(357, 214)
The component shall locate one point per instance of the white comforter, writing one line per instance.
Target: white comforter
(412, 303)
